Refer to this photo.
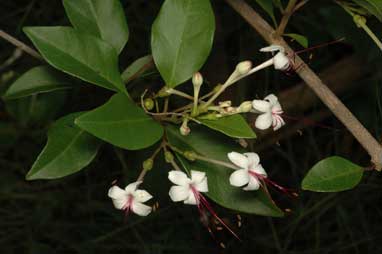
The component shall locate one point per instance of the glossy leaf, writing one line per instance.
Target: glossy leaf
(302, 40)
(104, 19)
(68, 150)
(40, 79)
(81, 55)
(234, 126)
(332, 174)
(137, 68)
(121, 123)
(216, 146)
(181, 38)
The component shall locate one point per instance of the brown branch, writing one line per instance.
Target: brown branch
(20, 45)
(371, 145)
(285, 19)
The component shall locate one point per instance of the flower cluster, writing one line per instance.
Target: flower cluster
(249, 174)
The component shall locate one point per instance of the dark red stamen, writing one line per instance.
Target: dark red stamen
(263, 178)
(203, 203)
(308, 121)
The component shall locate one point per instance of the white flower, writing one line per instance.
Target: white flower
(186, 189)
(280, 60)
(271, 113)
(130, 199)
(250, 172)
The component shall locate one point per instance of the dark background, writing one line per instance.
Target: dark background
(74, 215)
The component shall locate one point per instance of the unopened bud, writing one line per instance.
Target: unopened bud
(168, 157)
(197, 79)
(148, 164)
(184, 129)
(244, 67)
(148, 104)
(190, 155)
(245, 106)
(359, 20)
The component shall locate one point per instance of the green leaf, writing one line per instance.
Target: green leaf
(332, 174)
(216, 146)
(68, 150)
(302, 40)
(37, 109)
(372, 6)
(40, 79)
(234, 126)
(81, 55)
(181, 38)
(104, 19)
(137, 68)
(121, 123)
(268, 8)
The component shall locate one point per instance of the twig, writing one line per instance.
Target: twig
(371, 145)
(285, 19)
(20, 45)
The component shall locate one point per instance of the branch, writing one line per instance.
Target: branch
(285, 19)
(363, 136)
(20, 45)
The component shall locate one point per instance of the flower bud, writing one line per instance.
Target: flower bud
(244, 67)
(168, 157)
(148, 104)
(190, 155)
(197, 79)
(148, 164)
(184, 129)
(281, 61)
(245, 106)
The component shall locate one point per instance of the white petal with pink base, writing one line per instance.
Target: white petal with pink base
(130, 199)
(250, 171)
(270, 113)
(187, 189)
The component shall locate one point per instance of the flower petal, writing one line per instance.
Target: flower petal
(260, 170)
(273, 48)
(140, 209)
(178, 177)
(116, 192)
(272, 99)
(261, 106)
(191, 200)
(264, 121)
(238, 159)
(119, 203)
(281, 61)
(202, 186)
(130, 189)
(253, 160)
(197, 176)
(179, 193)
(253, 184)
(142, 196)
(239, 178)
